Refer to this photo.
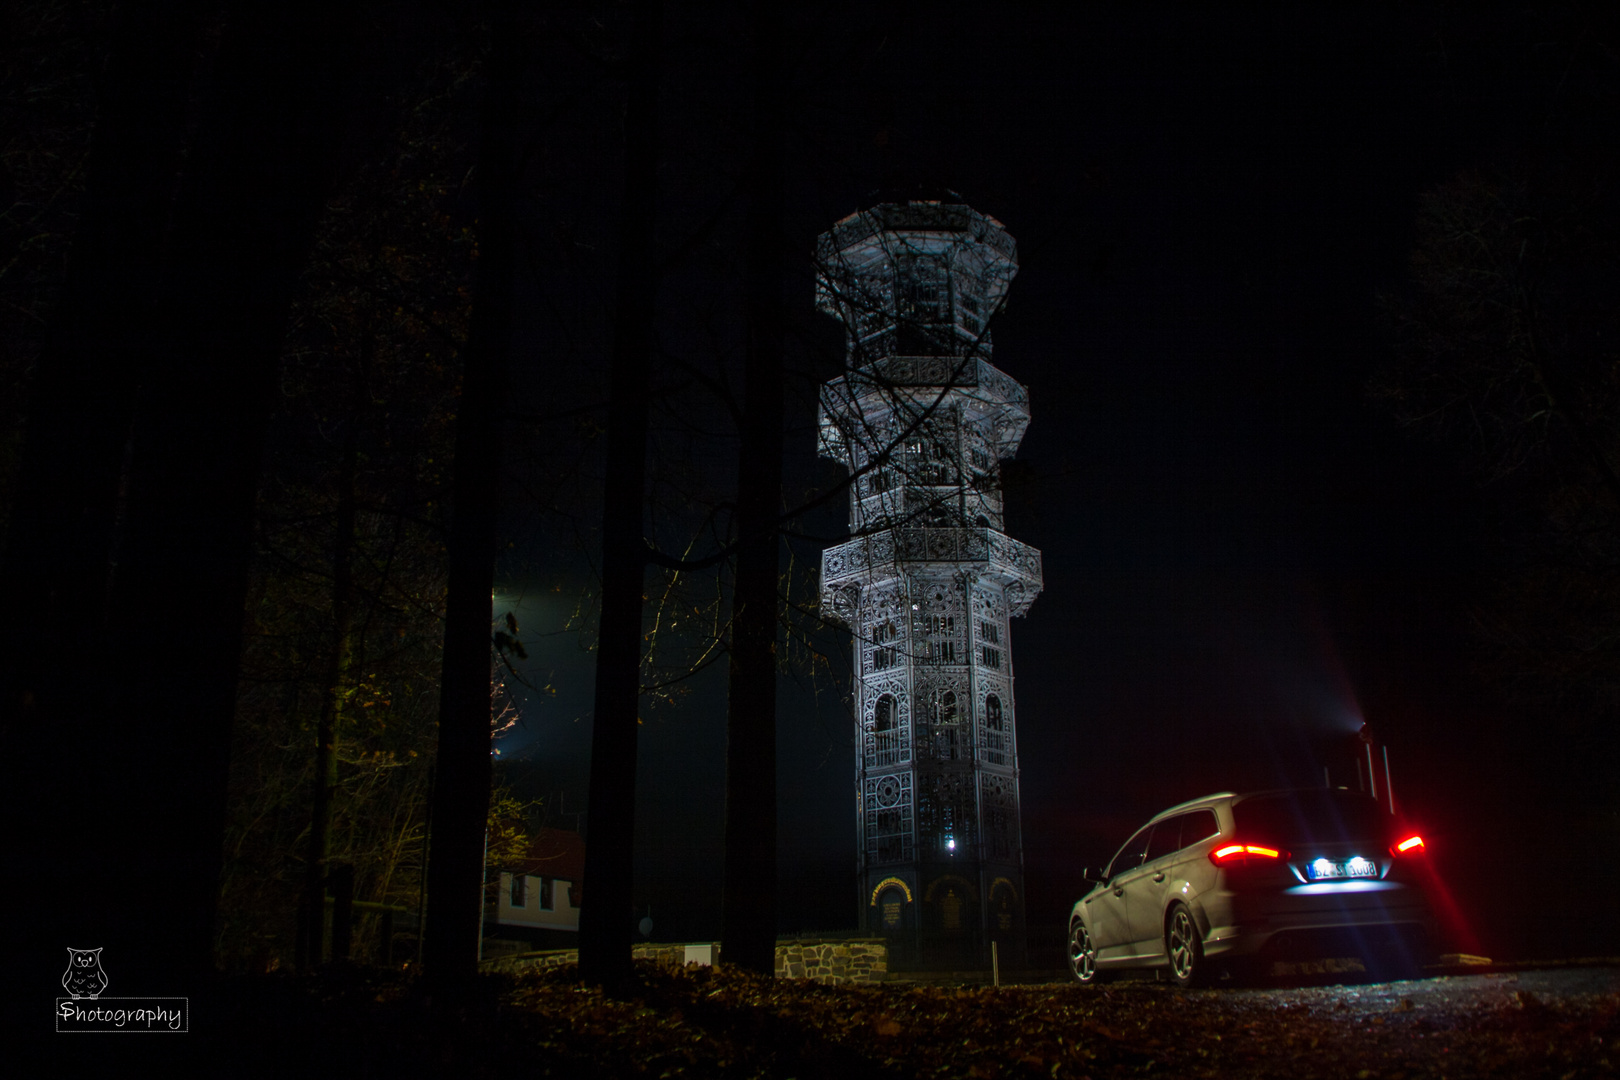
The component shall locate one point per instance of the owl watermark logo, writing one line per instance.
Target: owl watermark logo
(85, 1010)
(84, 977)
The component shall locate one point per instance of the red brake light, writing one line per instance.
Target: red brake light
(1410, 845)
(1232, 853)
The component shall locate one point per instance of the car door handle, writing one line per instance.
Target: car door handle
(1119, 892)
(1159, 876)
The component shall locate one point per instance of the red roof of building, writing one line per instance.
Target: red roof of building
(554, 853)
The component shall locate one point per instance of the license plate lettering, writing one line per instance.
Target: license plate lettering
(1323, 869)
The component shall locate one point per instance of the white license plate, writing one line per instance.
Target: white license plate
(1322, 869)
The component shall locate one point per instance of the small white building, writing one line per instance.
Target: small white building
(536, 900)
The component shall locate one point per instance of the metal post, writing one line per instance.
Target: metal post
(995, 964)
(483, 893)
(1388, 786)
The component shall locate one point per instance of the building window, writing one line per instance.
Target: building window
(1000, 801)
(520, 896)
(545, 893)
(996, 742)
(885, 656)
(885, 731)
(924, 290)
(989, 631)
(950, 727)
(941, 632)
(991, 658)
(888, 819)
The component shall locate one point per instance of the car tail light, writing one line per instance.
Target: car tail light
(1412, 845)
(1228, 854)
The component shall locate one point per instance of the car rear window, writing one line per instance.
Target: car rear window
(1323, 816)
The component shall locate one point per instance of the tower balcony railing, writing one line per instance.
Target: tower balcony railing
(881, 555)
(885, 372)
(852, 401)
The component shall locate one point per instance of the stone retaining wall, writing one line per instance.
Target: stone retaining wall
(856, 960)
(847, 961)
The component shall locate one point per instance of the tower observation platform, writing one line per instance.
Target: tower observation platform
(929, 579)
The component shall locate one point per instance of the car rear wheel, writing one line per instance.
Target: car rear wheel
(1082, 955)
(1183, 947)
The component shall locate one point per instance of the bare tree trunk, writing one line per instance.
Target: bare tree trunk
(61, 549)
(340, 658)
(159, 688)
(264, 162)
(749, 928)
(605, 932)
(455, 874)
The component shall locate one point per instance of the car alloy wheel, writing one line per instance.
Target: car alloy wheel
(1082, 957)
(1182, 947)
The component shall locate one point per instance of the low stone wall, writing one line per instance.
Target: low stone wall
(854, 960)
(663, 955)
(858, 960)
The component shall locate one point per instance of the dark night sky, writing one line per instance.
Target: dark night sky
(1244, 557)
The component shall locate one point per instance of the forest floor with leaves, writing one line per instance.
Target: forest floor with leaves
(705, 1022)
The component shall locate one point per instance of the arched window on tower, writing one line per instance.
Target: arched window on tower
(996, 742)
(886, 731)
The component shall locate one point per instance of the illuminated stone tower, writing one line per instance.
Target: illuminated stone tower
(929, 580)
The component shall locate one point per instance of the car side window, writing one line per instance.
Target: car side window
(1166, 838)
(1130, 855)
(1198, 825)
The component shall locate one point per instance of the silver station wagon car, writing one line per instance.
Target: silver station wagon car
(1219, 883)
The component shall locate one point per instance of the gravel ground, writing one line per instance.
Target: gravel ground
(1452, 996)
(1532, 1023)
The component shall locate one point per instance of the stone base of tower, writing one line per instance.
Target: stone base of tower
(946, 917)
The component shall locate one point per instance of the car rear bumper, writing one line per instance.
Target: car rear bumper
(1247, 924)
